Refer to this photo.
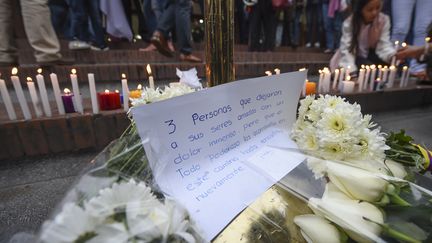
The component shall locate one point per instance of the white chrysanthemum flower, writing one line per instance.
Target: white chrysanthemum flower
(112, 233)
(304, 106)
(372, 144)
(71, 224)
(119, 197)
(151, 95)
(308, 139)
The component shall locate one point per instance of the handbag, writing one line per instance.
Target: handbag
(281, 4)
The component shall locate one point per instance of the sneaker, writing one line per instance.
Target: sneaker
(328, 51)
(78, 45)
(308, 45)
(317, 45)
(95, 48)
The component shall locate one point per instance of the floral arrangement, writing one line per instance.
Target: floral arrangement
(366, 197)
(127, 211)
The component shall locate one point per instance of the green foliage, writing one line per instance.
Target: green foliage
(403, 150)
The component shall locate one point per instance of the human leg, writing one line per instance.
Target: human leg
(8, 48)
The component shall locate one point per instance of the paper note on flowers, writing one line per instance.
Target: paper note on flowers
(217, 150)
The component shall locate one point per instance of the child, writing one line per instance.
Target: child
(365, 37)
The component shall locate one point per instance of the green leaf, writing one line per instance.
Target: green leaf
(410, 229)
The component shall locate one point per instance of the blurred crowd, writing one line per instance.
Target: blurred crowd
(170, 26)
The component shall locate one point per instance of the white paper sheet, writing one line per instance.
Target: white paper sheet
(215, 150)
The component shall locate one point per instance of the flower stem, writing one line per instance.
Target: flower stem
(394, 198)
(389, 231)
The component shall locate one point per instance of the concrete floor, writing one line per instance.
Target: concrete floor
(31, 188)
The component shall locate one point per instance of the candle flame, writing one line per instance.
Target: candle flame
(396, 43)
(29, 79)
(302, 69)
(378, 79)
(392, 67)
(66, 91)
(348, 78)
(107, 91)
(385, 67)
(39, 70)
(363, 66)
(336, 70)
(320, 71)
(139, 87)
(149, 70)
(277, 70)
(269, 73)
(123, 76)
(379, 66)
(404, 44)
(372, 66)
(427, 39)
(117, 91)
(73, 71)
(367, 67)
(14, 71)
(405, 68)
(307, 80)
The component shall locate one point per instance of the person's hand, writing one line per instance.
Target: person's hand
(409, 51)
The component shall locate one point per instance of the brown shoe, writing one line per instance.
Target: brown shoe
(189, 58)
(159, 41)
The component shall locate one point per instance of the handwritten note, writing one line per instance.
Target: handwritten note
(216, 150)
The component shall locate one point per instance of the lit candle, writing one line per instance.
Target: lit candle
(348, 71)
(320, 81)
(367, 76)
(93, 95)
(373, 77)
(360, 79)
(151, 80)
(34, 97)
(43, 93)
(335, 80)
(392, 76)
(7, 100)
(68, 101)
(277, 70)
(377, 84)
(268, 73)
(20, 94)
(57, 93)
(380, 71)
(341, 78)
(348, 86)
(393, 60)
(385, 74)
(109, 100)
(326, 80)
(404, 73)
(76, 91)
(125, 90)
(310, 88)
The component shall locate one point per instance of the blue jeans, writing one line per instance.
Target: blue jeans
(177, 12)
(333, 28)
(402, 11)
(81, 11)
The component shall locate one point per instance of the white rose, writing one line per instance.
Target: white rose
(317, 229)
(350, 215)
(357, 183)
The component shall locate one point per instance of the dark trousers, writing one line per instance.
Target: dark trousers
(372, 58)
(314, 22)
(81, 11)
(178, 13)
(262, 21)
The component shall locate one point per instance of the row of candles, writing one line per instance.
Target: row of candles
(370, 78)
(68, 102)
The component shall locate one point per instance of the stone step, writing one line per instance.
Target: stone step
(161, 71)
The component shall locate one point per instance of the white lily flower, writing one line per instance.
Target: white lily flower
(356, 183)
(316, 229)
(350, 215)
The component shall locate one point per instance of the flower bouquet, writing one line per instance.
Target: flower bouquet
(348, 190)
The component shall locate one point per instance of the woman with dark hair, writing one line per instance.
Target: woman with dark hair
(365, 37)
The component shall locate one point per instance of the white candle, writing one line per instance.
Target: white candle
(268, 73)
(76, 91)
(393, 60)
(404, 74)
(341, 78)
(327, 77)
(348, 71)
(320, 81)
(361, 79)
(373, 77)
(93, 95)
(348, 86)
(385, 74)
(20, 94)
(7, 100)
(335, 80)
(34, 97)
(43, 93)
(277, 70)
(380, 72)
(125, 90)
(151, 80)
(57, 93)
(392, 76)
(366, 79)
(304, 87)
